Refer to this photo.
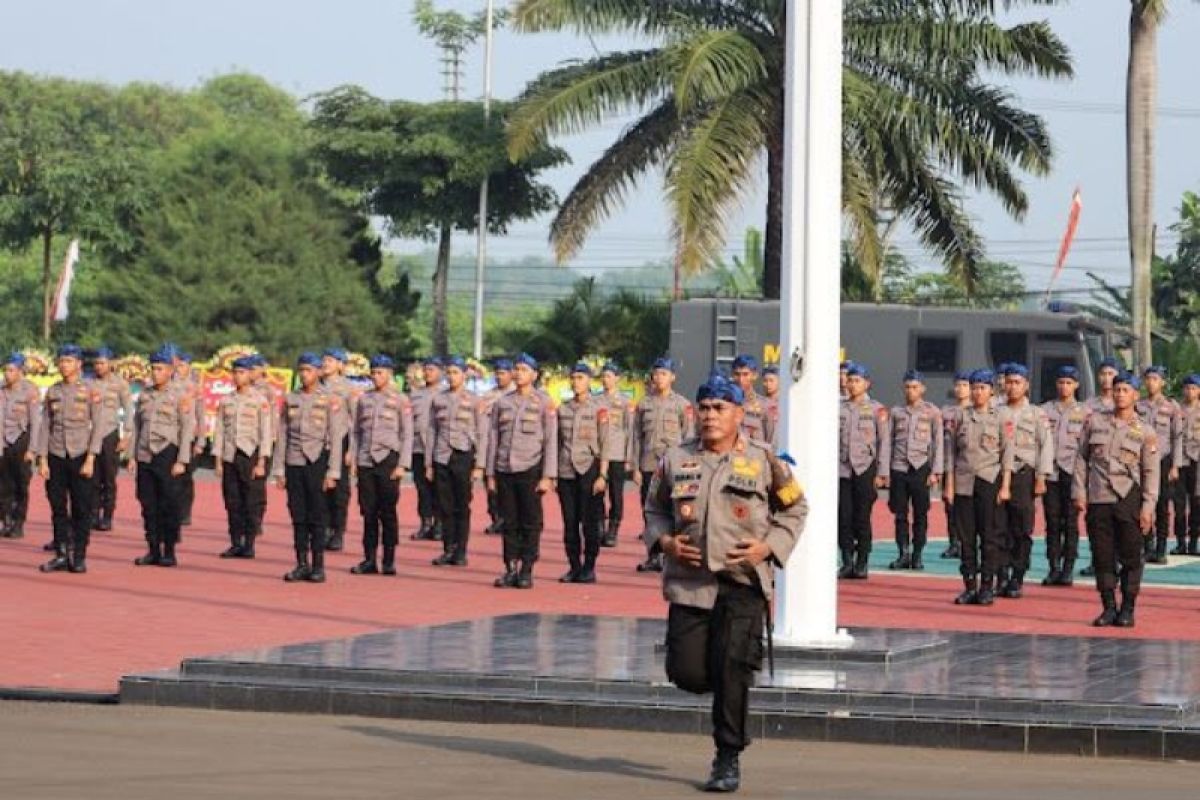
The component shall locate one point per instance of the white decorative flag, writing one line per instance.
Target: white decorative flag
(65, 279)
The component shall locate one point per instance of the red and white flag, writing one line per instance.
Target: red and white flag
(62, 292)
(1068, 239)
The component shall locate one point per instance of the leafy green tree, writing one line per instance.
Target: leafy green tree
(420, 166)
(742, 278)
(919, 115)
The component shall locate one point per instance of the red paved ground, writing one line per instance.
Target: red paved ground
(84, 632)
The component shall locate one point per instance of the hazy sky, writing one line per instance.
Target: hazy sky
(307, 46)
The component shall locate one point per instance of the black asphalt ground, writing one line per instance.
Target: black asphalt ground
(77, 752)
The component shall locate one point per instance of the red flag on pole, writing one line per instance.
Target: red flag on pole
(1068, 239)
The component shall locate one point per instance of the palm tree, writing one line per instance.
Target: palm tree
(918, 116)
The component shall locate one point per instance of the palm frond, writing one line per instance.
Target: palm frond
(715, 64)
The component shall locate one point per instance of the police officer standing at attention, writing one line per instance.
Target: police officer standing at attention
(979, 467)
(261, 383)
(770, 382)
(1066, 416)
(242, 448)
(382, 440)
(1116, 484)
(1163, 414)
(522, 464)
(333, 377)
(725, 511)
(163, 432)
(20, 424)
(583, 462)
(1189, 470)
(67, 446)
(864, 455)
(663, 419)
(117, 402)
(422, 401)
(916, 466)
(620, 439)
(189, 382)
(1106, 371)
(502, 372)
(951, 416)
(308, 463)
(1033, 464)
(755, 423)
(456, 442)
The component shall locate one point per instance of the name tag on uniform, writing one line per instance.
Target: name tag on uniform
(684, 491)
(742, 483)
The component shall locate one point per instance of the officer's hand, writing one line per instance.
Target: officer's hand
(1080, 505)
(30, 457)
(1173, 475)
(1147, 520)
(397, 473)
(260, 470)
(934, 480)
(131, 465)
(429, 474)
(747, 552)
(123, 445)
(637, 477)
(348, 461)
(881, 482)
(491, 485)
(681, 549)
(1039, 487)
(477, 474)
(328, 485)
(89, 467)
(281, 482)
(1004, 495)
(178, 469)
(600, 485)
(544, 486)
(44, 470)
(198, 450)
(219, 469)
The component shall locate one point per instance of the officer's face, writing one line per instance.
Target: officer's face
(182, 368)
(523, 374)
(719, 421)
(309, 375)
(770, 384)
(1104, 378)
(744, 377)
(455, 377)
(330, 366)
(241, 377)
(160, 374)
(842, 380)
(962, 390)
(662, 379)
(1191, 393)
(609, 380)
(1154, 383)
(1066, 388)
(12, 374)
(432, 374)
(581, 384)
(913, 392)
(68, 366)
(101, 366)
(981, 394)
(504, 378)
(1015, 386)
(381, 377)
(1124, 396)
(856, 385)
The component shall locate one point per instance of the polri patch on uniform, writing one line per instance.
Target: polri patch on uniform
(740, 511)
(687, 511)
(681, 491)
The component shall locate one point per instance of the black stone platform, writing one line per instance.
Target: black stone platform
(1039, 694)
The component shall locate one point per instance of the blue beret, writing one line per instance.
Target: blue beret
(1020, 370)
(162, 356)
(963, 375)
(169, 347)
(718, 387)
(15, 359)
(336, 353)
(183, 356)
(70, 351)
(845, 365)
(663, 363)
(913, 375)
(245, 362)
(382, 361)
(432, 361)
(257, 360)
(1109, 362)
(983, 376)
(1067, 371)
(746, 362)
(309, 360)
(503, 365)
(772, 369)
(612, 367)
(1125, 376)
(1156, 369)
(855, 368)
(455, 361)
(105, 353)
(581, 368)
(527, 360)
(1192, 380)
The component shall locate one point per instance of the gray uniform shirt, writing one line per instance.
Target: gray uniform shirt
(117, 402)
(1190, 422)
(917, 437)
(22, 409)
(1114, 457)
(244, 422)
(583, 427)
(864, 437)
(163, 417)
(978, 448)
(756, 422)
(422, 403)
(71, 422)
(523, 431)
(457, 422)
(383, 424)
(1028, 427)
(620, 425)
(718, 500)
(311, 423)
(1066, 426)
(660, 422)
(1164, 415)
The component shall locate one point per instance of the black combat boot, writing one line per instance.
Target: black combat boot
(588, 573)
(168, 555)
(1181, 548)
(1089, 571)
(234, 550)
(917, 563)
(435, 531)
(509, 579)
(78, 563)
(301, 571)
(389, 559)
(1109, 615)
(60, 562)
(987, 592)
(1193, 544)
(247, 546)
(952, 550)
(153, 554)
(970, 592)
(365, 567)
(653, 563)
(525, 576)
(847, 568)
(726, 775)
(903, 561)
(422, 533)
(861, 569)
(1054, 576)
(1148, 549)
(610, 535)
(1012, 589)
(1066, 577)
(17, 531)
(334, 542)
(1160, 551)
(573, 570)
(1125, 616)
(104, 522)
(317, 573)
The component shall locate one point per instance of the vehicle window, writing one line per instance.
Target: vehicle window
(1048, 376)
(1006, 346)
(936, 354)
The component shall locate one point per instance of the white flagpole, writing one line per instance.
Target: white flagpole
(481, 242)
(810, 314)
